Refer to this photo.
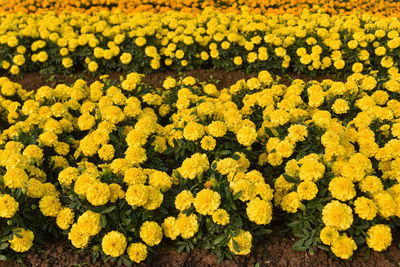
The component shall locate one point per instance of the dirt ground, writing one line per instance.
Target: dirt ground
(221, 78)
(274, 251)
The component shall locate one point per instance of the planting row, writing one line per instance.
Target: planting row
(313, 43)
(121, 168)
(380, 7)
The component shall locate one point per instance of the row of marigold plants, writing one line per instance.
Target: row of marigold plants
(120, 168)
(377, 7)
(313, 43)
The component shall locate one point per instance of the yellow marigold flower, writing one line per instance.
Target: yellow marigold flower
(365, 208)
(210, 89)
(380, 51)
(135, 155)
(116, 192)
(243, 243)
(50, 206)
(379, 237)
(14, 69)
(328, 235)
(385, 203)
(170, 228)
(217, 129)
(5, 64)
(291, 202)
(137, 195)
(238, 60)
(65, 218)
(82, 183)
(187, 225)
(89, 223)
(311, 170)
(19, 60)
(259, 211)
(380, 97)
(343, 247)
(307, 190)
(114, 244)
(86, 122)
(34, 188)
(297, 133)
(246, 135)
(79, 239)
(193, 131)
(160, 180)
(396, 130)
(135, 176)
(137, 252)
(48, 139)
(284, 149)
(194, 166)
(8, 206)
(221, 217)
(337, 215)
(106, 152)
(22, 240)
(208, 143)
(357, 67)
(98, 193)
(340, 106)
(207, 201)
(371, 184)
(342, 188)
(93, 66)
(155, 198)
(184, 200)
(67, 176)
(169, 83)
(126, 58)
(67, 62)
(339, 64)
(151, 233)
(15, 178)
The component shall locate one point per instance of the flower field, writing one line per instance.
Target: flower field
(119, 168)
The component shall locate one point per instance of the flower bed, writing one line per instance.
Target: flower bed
(378, 7)
(313, 43)
(119, 168)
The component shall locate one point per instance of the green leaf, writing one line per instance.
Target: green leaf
(293, 224)
(235, 245)
(289, 178)
(237, 195)
(298, 245)
(4, 246)
(367, 254)
(109, 209)
(3, 258)
(103, 221)
(180, 249)
(114, 139)
(219, 239)
(263, 232)
(236, 156)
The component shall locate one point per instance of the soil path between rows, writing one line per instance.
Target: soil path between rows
(221, 78)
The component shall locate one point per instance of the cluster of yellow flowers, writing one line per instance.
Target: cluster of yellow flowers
(352, 171)
(380, 7)
(123, 166)
(312, 42)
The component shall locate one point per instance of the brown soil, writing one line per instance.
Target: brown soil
(274, 251)
(221, 78)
